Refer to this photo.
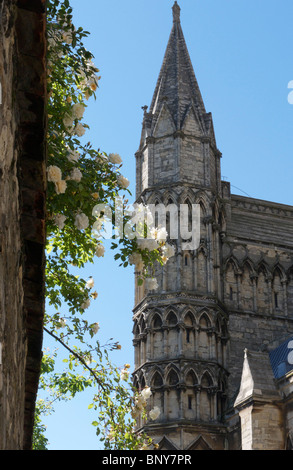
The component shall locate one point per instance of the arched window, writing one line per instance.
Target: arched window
(205, 398)
(171, 319)
(278, 290)
(172, 378)
(191, 379)
(157, 380)
(157, 337)
(157, 321)
(247, 291)
(230, 287)
(203, 337)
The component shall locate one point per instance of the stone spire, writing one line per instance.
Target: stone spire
(177, 85)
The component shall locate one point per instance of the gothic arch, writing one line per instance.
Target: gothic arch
(280, 271)
(204, 320)
(155, 320)
(155, 198)
(206, 402)
(190, 378)
(263, 288)
(171, 318)
(247, 285)
(263, 267)
(231, 270)
(234, 263)
(172, 378)
(142, 325)
(206, 379)
(172, 333)
(156, 379)
(203, 338)
(188, 317)
(156, 339)
(135, 329)
(169, 198)
(190, 394)
(202, 199)
(278, 291)
(173, 394)
(246, 262)
(186, 195)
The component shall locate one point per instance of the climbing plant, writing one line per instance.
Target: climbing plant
(85, 187)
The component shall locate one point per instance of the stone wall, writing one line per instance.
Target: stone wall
(257, 276)
(22, 214)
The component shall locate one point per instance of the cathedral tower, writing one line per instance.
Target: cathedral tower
(232, 292)
(180, 330)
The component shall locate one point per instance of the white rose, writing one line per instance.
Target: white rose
(68, 121)
(124, 374)
(155, 413)
(168, 250)
(79, 130)
(115, 158)
(147, 244)
(54, 174)
(75, 175)
(146, 393)
(59, 220)
(123, 182)
(159, 233)
(73, 156)
(81, 221)
(86, 304)
(78, 110)
(100, 250)
(90, 283)
(60, 187)
(136, 259)
(140, 402)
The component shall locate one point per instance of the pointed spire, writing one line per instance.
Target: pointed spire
(177, 86)
(176, 12)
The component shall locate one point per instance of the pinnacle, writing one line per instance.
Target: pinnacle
(176, 12)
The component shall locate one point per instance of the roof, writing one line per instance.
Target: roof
(257, 381)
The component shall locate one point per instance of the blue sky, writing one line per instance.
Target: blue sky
(242, 53)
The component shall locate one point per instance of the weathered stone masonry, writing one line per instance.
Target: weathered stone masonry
(22, 214)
